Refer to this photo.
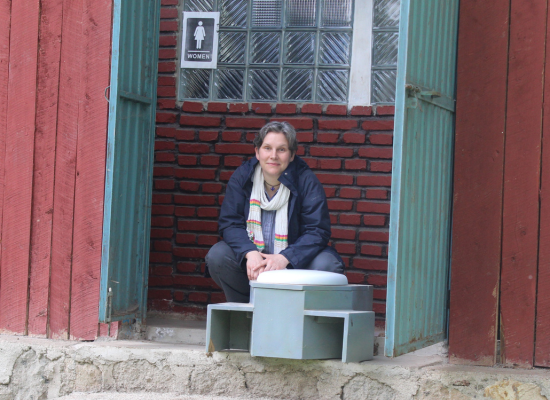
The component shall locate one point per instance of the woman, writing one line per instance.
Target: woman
(274, 216)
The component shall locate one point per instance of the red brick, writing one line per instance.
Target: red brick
(198, 297)
(217, 107)
(189, 252)
(189, 120)
(164, 184)
(385, 110)
(168, 13)
(370, 264)
(186, 267)
(206, 226)
(234, 148)
(165, 157)
(330, 164)
(212, 187)
(349, 193)
(206, 174)
(330, 191)
(333, 219)
(192, 106)
(261, 108)
(350, 219)
(238, 107)
(164, 145)
(164, 294)
(230, 136)
(167, 54)
(166, 81)
(364, 111)
(162, 245)
(166, 104)
(377, 125)
(169, 2)
(189, 280)
(233, 161)
(189, 186)
(312, 109)
(304, 137)
(162, 198)
(311, 162)
(379, 294)
(324, 137)
(335, 179)
(160, 258)
(380, 166)
(168, 26)
(208, 212)
(301, 151)
(224, 177)
(186, 238)
(341, 205)
(185, 211)
(167, 40)
(163, 171)
(285, 108)
(160, 281)
(160, 233)
(244, 122)
(162, 270)
(166, 91)
(371, 250)
(374, 236)
(354, 137)
(377, 194)
(374, 220)
(381, 138)
(210, 160)
(356, 164)
(348, 234)
(167, 66)
(163, 131)
(345, 248)
(377, 280)
(355, 277)
(217, 298)
(196, 148)
(337, 124)
(165, 117)
(374, 180)
(208, 136)
(333, 109)
(250, 136)
(376, 152)
(185, 134)
(372, 207)
(162, 210)
(179, 296)
(199, 200)
(297, 123)
(317, 151)
(187, 160)
(208, 240)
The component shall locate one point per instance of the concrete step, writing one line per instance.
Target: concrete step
(175, 331)
(145, 396)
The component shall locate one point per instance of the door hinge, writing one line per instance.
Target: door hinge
(109, 308)
(416, 92)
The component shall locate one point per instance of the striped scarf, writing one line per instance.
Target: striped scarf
(259, 202)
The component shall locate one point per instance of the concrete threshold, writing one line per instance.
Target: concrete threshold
(32, 368)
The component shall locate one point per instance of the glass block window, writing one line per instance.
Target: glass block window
(293, 51)
(385, 35)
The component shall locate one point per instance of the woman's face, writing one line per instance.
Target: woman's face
(274, 155)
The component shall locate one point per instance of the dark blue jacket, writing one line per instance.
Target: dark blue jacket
(308, 222)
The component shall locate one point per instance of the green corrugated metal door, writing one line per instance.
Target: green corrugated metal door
(420, 217)
(125, 249)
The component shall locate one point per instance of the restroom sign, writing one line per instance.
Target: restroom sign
(200, 40)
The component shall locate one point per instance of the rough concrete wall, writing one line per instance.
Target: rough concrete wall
(47, 369)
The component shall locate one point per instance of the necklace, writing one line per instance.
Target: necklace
(272, 186)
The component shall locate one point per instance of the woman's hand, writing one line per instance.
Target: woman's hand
(274, 261)
(255, 264)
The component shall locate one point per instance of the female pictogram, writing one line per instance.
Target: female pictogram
(199, 35)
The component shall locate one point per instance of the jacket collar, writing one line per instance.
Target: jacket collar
(289, 177)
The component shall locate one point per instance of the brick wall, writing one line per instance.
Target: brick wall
(199, 145)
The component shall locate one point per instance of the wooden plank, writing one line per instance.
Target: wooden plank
(16, 224)
(520, 221)
(90, 176)
(542, 330)
(70, 96)
(478, 172)
(5, 17)
(44, 163)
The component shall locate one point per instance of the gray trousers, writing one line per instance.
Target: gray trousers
(233, 279)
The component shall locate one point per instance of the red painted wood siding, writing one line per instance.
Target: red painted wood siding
(54, 68)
